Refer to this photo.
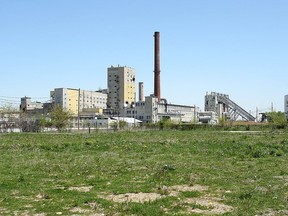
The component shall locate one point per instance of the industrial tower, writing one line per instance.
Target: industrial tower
(121, 87)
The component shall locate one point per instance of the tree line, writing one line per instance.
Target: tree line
(11, 119)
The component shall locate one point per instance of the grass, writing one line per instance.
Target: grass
(70, 174)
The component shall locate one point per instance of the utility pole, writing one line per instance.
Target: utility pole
(135, 115)
(78, 119)
(194, 114)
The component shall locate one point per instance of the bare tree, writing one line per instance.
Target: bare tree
(9, 118)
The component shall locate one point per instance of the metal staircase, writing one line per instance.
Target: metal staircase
(234, 110)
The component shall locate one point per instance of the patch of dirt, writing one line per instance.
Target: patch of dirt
(134, 197)
(4, 210)
(271, 212)
(211, 206)
(79, 210)
(27, 213)
(176, 189)
(97, 209)
(81, 188)
(27, 198)
(203, 204)
(85, 211)
(59, 187)
(28, 206)
(183, 188)
(261, 189)
(48, 180)
(15, 192)
(285, 178)
(37, 198)
(40, 196)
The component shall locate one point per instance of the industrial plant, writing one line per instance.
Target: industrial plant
(119, 101)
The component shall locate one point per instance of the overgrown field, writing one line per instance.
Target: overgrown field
(196, 172)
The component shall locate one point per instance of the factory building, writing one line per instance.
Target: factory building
(78, 101)
(154, 108)
(145, 111)
(150, 111)
(119, 100)
(212, 104)
(224, 107)
(27, 106)
(121, 87)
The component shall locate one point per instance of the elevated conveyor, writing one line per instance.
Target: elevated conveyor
(221, 104)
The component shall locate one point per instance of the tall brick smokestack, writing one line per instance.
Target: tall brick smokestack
(157, 65)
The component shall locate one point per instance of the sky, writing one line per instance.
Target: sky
(234, 47)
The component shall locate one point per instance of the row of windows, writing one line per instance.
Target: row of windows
(81, 96)
(114, 81)
(97, 97)
(94, 102)
(131, 112)
(91, 101)
(94, 105)
(114, 75)
(86, 107)
(131, 80)
(89, 98)
(140, 104)
(141, 117)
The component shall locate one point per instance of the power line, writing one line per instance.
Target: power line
(22, 97)
(7, 100)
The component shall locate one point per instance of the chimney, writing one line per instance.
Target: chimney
(141, 94)
(157, 65)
